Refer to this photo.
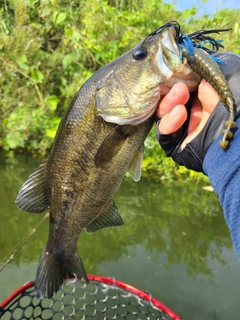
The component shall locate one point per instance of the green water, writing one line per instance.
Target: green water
(174, 244)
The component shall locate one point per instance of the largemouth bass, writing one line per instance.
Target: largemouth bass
(99, 139)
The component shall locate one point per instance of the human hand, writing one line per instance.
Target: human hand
(173, 112)
(188, 127)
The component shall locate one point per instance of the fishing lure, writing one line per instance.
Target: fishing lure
(201, 60)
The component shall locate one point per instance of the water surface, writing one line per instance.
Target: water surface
(174, 244)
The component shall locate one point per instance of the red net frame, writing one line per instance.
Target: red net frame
(144, 299)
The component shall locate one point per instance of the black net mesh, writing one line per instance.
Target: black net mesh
(78, 300)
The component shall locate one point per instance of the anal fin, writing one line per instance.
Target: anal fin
(109, 218)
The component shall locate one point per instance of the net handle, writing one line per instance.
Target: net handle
(106, 280)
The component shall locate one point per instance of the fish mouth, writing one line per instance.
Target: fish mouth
(170, 52)
(172, 66)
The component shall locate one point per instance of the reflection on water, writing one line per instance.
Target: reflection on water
(174, 244)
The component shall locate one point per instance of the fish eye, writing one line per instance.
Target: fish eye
(139, 53)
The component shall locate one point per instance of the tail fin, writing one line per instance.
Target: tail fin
(51, 273)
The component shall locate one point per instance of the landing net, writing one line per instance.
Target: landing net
(102, 298)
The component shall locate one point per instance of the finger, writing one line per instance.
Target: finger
(196, 115)
(173, 120)
(207, 96)
(178, 95)
(201, 110)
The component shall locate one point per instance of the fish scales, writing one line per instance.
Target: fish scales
(208, 69)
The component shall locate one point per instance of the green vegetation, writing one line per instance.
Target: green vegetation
(48, 49)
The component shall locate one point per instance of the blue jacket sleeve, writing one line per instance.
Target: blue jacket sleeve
(223, 169)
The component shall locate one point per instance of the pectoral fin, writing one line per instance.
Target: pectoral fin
(32, 195)
(109, 218)
(109, 147)
(136, 164)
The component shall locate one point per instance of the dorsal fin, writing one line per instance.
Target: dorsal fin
(32, 195)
